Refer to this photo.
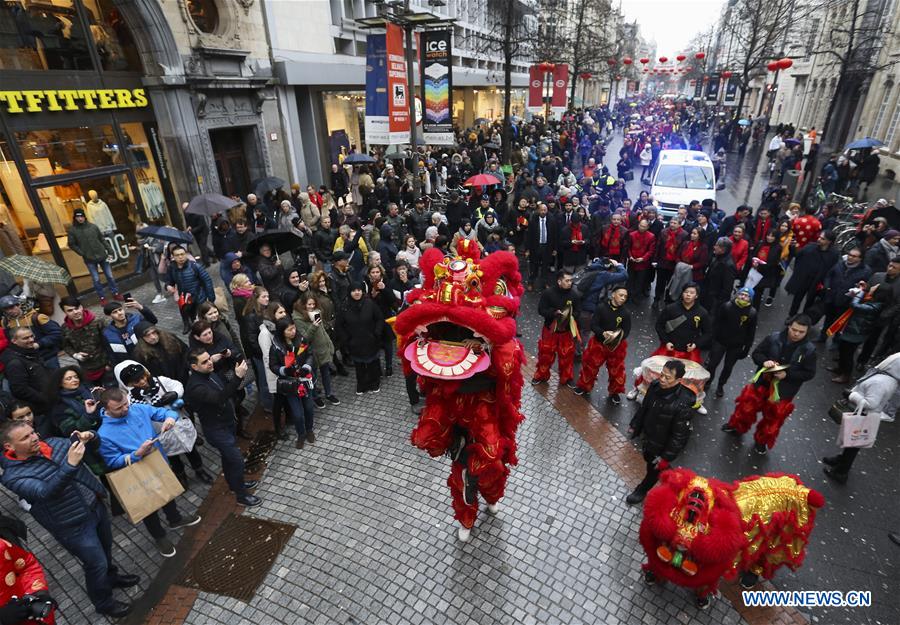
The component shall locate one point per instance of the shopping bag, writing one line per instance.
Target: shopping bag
(144, 487)
(858, 429)
(753, 278)
(180, 439)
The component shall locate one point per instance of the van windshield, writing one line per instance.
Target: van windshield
(682, 177)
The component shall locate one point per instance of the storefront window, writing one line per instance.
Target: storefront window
(37, 35)
(146, 173)
(205, 14)
(115, 46)
(108, 202)
(61, 150)
(345, 115)
(19, 227)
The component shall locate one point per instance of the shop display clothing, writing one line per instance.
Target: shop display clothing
(98, 213)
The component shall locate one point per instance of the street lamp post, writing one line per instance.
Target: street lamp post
(546, 82)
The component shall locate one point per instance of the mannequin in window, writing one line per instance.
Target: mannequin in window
(10, 242)
(98, 213)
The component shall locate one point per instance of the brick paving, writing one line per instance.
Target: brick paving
(376, 539)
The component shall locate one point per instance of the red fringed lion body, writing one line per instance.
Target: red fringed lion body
(458, 335)
(697, 530)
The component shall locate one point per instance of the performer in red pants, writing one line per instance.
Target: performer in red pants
(787, 360)
(611, 325)
(559, 306)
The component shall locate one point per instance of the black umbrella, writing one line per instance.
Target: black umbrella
(210, 204)
(279, 240)
(264, 185)
(491, 146)
(358, 159)
(396, 156)
(165, 233)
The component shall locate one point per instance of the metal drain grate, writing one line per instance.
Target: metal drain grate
(237, 558)
(260, 448)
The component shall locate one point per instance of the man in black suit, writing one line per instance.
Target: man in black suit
(542, 233)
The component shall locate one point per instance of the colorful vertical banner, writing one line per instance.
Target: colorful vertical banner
(398, 89)
(560, 89)
(437, 85)
(377, 127)
(730, 93)
(712, 89)
(535, 88)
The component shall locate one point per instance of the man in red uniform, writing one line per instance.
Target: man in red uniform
(611, 325)
(559, 306)
(641, 248)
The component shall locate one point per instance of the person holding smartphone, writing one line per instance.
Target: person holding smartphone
(119, 333)
(311, 327)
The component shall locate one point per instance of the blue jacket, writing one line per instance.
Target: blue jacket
(120, 437)
(61, 496)
(603, 279)
(122, 341)
(193, 279)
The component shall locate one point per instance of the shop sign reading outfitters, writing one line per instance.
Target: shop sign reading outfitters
(38, 101)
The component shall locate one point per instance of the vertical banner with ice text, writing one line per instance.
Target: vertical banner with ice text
(535, 88)
(560, 89)
(398, 89)
(437, 86)
(712, 89)
(730, 93)
(377, 129)
(698, 89)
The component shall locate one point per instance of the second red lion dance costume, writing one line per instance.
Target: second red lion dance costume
(458, 334)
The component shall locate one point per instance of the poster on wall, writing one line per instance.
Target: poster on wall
(560, 89)
(712, 89)
(535, 88)
(437, 85)
(377, 128)
(398, 89)
(730, 93)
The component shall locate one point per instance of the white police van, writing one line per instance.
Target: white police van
(680, 177)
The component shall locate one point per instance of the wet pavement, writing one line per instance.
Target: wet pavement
(849, 549)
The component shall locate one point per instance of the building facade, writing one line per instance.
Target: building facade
(126, 108)
(320, 61)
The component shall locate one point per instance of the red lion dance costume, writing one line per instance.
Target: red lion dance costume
(458, 335)
(696, 531)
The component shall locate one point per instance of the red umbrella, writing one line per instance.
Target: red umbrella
(481, 180)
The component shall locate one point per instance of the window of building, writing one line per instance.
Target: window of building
(115, 45)
(205, 14)
(62, 150)
(882, 109)
(19, 227)
(42, 36)
(892, 129)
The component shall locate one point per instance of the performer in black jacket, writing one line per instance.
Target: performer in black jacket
(771, 392)
(559, 306)
(664, 419)
(684, 327)
(720, 277)
(733, 336)
(611, 325)
(211, 397)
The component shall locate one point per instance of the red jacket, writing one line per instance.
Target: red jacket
(641, 245)
(22, 575)
(614, 242)
(695, 254)
(806, 230)
(740, 250)
(668, 246)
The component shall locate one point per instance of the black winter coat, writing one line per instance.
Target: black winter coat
(664, 419)
(810, 268)
(696, 327)
(841, 279)
(360, 328)
(735, 326)
(27, 376)
(719, 282)
(801, 357)
(553, 299)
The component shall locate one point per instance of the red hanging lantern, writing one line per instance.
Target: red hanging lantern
(680, 57)
(546, 67)
(626, 61)
(699, 55)
(585, 75)
(706, 79)
(611, 62)
(785, 63)
(663, 59)
(726, 74)
(644, 61)
(773, 66)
